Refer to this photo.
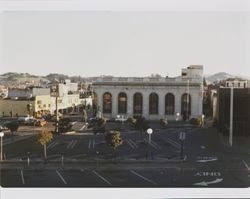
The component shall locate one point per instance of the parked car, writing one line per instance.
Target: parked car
(40, 122)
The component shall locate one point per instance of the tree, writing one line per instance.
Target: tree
(12, 126)
(43, 138)
(99, 125)
(139, 123)
(113, 139)
(164, 122)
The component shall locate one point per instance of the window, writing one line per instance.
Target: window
(137, 103)
(122, 103)
(39, 101)
(153, 103)
(169, 104)
(107, 103)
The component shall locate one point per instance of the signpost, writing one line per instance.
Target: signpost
(182, 137)
(54, 92)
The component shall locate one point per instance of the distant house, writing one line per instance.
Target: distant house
(236, 83)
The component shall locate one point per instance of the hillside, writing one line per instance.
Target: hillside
(222, 76)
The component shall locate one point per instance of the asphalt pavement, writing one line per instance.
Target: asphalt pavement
(89, 162)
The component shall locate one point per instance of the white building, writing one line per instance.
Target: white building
(236, 83)
(152, 98)
(28, 92)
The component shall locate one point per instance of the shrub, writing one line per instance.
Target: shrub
(164, 122)
(99, 125)
(195, 121)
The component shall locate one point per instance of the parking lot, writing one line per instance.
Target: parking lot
(86, 159)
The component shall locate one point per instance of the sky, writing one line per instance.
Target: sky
(124, 43)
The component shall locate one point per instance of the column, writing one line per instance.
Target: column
(145, 103)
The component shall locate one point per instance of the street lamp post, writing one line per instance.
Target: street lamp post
(28, 158)
(188, 100)
(62, 159)
(1, 135)
(182, 138)
(149, 131)
(177, 116)
(231, 117)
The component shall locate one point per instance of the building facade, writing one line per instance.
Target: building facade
(236, 83)
(152, 98)
(241, 111)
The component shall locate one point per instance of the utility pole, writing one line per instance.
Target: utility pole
(231, 117)
(57, 118)
(54, 92)
(187, 99)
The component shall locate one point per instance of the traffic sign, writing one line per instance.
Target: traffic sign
(54, 91)
(182, 136)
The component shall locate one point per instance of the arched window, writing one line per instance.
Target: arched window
(137, 103)
(169, 104)
(122, 103)
(153, 103)
(107, 103)
(186, 106)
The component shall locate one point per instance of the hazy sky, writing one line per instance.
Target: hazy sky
(91, 43)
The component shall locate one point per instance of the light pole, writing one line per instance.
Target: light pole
(54, 92)
(149, 131)
(28, 158)
(182, 137)
(62, 159)
(187, 99)
(177, 116)
(1, 135)
(231, 117)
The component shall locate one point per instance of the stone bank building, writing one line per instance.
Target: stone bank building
(153, 98)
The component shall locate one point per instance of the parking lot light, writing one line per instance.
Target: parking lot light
(62, 159)
(1, 135)
(28, 158)
(149, 131)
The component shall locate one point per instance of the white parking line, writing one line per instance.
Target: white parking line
(173, 143)
(132, 142)
(52, 145)
(71, 142)
(246, 165)
(129, 144)
(22, 177)
(89, 144)
(82, 127)
(74, 144)
(144, 178)
(61, 177)
(104, 179)
(153, 144)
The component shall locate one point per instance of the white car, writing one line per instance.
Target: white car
(121, 118)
